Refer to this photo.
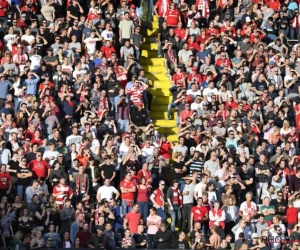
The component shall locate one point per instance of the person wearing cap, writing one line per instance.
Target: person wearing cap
(194, 77)
(98, 240)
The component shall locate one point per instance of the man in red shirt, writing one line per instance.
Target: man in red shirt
(157, 198)
(5, 182)
(199, 213)
(133, 219)
(107, 49)
(172, 16)
(187, 112)
(160, 10)
(128, 189)
(39, 167)
(3, 12)
(61, 190)
(179, 78)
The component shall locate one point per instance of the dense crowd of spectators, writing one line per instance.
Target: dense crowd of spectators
(82, 164)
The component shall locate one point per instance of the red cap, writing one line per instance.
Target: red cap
(140, 104)
(194, 68)
(132, 6)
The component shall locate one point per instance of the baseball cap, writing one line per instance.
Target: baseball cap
(132, 6)
(254, 235)
(194, 68)
(192, 149)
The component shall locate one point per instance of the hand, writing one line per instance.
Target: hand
(160, 240)
(171, 208)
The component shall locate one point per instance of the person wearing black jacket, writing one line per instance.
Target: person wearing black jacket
(139, 116)
(181, 243)
(99, 240)
(164, 238)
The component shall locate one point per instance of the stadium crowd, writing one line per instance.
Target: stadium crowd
(83, 165)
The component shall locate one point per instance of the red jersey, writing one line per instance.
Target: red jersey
(199, 212)
(165, 149)
(4, 181)
(133, 221)
(223, 63)
(180, 32)
(232, 105)
(178, 78)
(144, 173)
(136, 94)
(183, 115)
(128, 185)
(273, 5)
(62, 188)
(4, 7)
(194, 47)
(161, 10)
(196, 78)
(212, 31)
(159, 197)
(230, 29)
(122, 78)
(107, 51)
(172, 17)
(292, 215)
(39, 168)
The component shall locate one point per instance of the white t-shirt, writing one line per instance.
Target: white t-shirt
(77, 139)
(208, 92)
(248, 209)
(91, 45)
(94, 146)
(28, 39)
(107, 35)
(199, 188)
(35, 62)
(78, 73)
(107, 192)
(193, 94)
(49, 154)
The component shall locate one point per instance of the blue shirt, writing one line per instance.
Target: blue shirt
(31, 85)
(4, 88)
(202, 54)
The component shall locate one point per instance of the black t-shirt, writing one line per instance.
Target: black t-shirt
(53, 219)
(181, 245)
(280, 206)
(40, 48)
(13, 165)
(108, 170)
(74, 10)
(23, 181)
(164, 34)
(139, 238)
(178, 165)
(245, 177)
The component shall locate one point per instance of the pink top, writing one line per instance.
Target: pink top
(152, 229)
(142, 194)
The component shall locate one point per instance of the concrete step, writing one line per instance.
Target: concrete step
(157, 76)
(150, 39)
(149, 32)
(155, 18)
(165, 123)
(149, 54)
(161, 115)
(155, 68)
(152, 61)
(149, 25)
(167, 130)
(162, 99)
(150, 46)
(160, 84)
(160, 91)
(173, 138)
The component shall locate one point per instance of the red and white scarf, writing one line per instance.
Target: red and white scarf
(177, 197)
(83, 184)
(171, 55)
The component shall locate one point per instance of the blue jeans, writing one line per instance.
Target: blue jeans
(294, 33)
(160, 46)
(144, 210)
(162, 214)
(126, 208)
(170, 106)
(4, 21)
(272, 37)
(21, 191)
(137, 54)
(175, 216)
(123, 125)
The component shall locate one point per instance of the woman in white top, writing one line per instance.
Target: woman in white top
(153, 224)
(286, 128)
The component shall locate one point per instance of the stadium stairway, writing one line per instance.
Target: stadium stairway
(159, 82)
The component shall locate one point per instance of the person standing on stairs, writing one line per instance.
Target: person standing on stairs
(163, 34)
(136, 40)
(160, 9)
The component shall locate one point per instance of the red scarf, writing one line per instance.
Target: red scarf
(171, 55)
(71, 104)
(83, 184)
(177, 197)
(96, 217)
